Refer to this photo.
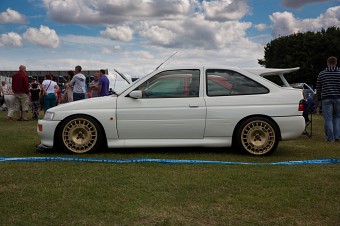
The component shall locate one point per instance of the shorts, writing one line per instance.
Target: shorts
(21, 101)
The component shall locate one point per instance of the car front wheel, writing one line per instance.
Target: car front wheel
(80, 134)
(257, 136)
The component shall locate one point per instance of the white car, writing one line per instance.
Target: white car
(181, 107)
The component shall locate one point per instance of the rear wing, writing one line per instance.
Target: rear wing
(263, 72)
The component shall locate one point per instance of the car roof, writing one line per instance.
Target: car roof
(256, 71)
(262, 72)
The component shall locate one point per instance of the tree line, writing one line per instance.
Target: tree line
(308, 50)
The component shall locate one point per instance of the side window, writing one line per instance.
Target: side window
(172, 84)
(228, 83)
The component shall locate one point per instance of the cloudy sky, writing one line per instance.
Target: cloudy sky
(135, 36)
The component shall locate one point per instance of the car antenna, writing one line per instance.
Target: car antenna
(166, 60)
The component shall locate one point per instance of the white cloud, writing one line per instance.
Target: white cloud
(143, 9)
(11, 39)
(193, 33)
(297, 4)
(72, 11)
(44, 36)
(225, 10)
(330, 18)
(84, 40)
(158, 35)
(120, 33)
(166, 23)
(111, 50)
(285, 23)
(112, 12)
(12, 16)
(261, 27)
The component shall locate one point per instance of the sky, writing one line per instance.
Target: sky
(135, 36)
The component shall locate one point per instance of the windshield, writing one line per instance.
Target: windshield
(120, 89)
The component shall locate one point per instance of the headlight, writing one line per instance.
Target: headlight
(49, 115)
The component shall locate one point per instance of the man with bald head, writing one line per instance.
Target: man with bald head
(20, 88)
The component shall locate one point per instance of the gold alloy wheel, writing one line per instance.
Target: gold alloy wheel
(258, 137)
(79, 135)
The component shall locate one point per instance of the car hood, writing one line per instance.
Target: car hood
(107, 102)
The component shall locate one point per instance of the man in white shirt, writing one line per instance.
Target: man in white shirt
(78, 84)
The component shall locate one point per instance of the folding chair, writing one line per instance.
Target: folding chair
(309, 127)
(309, 122)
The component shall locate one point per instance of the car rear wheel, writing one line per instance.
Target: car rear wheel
(257, 136)
(80, 134)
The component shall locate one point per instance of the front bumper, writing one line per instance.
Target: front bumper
(46, 130)
(42, 147)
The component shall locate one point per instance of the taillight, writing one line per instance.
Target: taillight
(302, 105)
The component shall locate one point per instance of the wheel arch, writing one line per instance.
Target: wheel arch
(254, 116)
(58, 128)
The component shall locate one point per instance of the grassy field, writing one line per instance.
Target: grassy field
(78, 193)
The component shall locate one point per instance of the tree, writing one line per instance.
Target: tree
(308, 50)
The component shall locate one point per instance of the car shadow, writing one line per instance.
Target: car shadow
(172, 150)
(145, 151)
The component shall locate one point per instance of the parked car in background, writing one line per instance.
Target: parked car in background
(181, 107)
(306, 89)
(309, 95)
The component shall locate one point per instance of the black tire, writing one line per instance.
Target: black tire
(257, 136)
(80, 134)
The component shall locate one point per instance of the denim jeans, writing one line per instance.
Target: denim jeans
(331, 115)
(78, 96)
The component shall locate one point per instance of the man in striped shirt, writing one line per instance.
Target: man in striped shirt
(328, 91)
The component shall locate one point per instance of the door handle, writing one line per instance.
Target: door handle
(193, 105)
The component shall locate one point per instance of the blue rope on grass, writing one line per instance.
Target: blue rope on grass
(166, 161)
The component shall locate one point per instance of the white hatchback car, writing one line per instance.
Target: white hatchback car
(181, 107)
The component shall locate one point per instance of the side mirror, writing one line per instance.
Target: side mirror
(136, 94)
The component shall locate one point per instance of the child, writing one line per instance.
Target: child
(35, 94)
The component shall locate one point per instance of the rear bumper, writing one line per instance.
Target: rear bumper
(291, 127)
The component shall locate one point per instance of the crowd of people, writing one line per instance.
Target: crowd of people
(20, 95)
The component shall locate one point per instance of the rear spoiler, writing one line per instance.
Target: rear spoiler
(263, 72)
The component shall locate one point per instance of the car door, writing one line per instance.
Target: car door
(166, 110)
(231, 96)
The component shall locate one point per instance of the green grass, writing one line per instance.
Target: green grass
(77, 193)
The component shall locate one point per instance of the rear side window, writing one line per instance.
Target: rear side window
(228, 83)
